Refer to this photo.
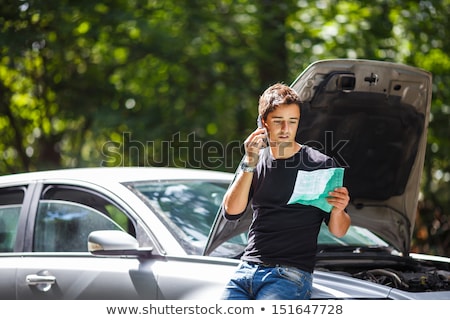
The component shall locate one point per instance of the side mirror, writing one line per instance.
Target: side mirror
(115, 243)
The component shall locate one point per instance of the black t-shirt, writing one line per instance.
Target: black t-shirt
(281, 233)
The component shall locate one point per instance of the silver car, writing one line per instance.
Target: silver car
(158, 233)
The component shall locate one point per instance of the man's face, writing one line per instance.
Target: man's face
(282, 123)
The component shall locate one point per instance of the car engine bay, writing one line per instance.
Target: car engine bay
(402, 273)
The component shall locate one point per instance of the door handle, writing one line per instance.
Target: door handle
(42, 282)
(35, 279)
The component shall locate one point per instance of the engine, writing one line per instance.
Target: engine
(432, 280)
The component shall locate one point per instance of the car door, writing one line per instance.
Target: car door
(56, 263)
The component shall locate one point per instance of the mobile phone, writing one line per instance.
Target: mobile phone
(259, 121)
(260, 125)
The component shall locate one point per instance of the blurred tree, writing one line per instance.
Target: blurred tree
(176, 83)
(426, 44)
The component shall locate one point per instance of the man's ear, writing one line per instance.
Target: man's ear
(264, 123)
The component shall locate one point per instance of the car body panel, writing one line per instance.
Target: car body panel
(178, 278)
(82, 277)
(85, 277)
(332, 286)
(8, 268)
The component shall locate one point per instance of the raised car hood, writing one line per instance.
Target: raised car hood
(372, 117)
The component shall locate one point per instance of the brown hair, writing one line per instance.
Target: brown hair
(276, 95)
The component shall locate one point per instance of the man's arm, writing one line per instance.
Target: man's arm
(236, 198)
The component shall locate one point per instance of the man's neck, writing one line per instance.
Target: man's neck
(284, 150)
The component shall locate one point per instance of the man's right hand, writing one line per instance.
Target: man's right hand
(254, 142)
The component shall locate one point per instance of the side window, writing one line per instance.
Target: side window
(64, 227)
(66, 216)
(11, 200)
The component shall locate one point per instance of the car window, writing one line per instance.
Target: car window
(11, 200)
(67, 214)
(187, 208)
(9, 218)
(64, 227)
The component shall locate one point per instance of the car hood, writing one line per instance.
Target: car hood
(372, 118)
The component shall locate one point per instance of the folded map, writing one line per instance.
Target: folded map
(312, 187)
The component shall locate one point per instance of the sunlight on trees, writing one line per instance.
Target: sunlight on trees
(76, 76)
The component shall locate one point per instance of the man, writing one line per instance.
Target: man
(279, 259)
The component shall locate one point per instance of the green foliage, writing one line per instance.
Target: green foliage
(120, 82)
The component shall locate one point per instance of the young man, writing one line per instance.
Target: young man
(279, 259)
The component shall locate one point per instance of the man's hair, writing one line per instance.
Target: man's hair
(276, 95)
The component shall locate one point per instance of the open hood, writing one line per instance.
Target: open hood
(372, 118)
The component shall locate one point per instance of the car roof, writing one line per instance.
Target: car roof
(117, 174)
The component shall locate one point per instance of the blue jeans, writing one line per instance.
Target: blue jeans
(252, 281)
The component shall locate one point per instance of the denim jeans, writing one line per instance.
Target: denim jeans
(252, 281)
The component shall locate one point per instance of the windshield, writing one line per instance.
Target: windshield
(187, 208)
(355, 236)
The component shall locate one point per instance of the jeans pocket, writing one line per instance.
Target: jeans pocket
(302, 280)
(295, 275)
